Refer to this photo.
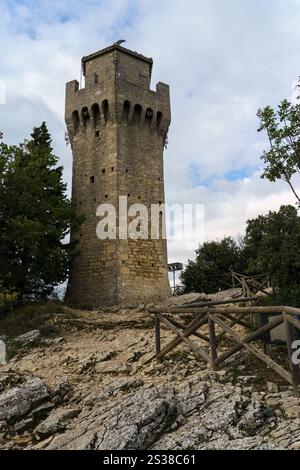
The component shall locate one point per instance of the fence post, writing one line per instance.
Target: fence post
(157, 338)
(295, 371)
(212, 341)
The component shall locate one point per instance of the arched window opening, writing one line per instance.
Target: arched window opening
(126, 110)
(85, 117)
(148, 116)
(159, 117)
(96, 115)
(96, 78)
(105, 110)
(137, 113)
(75, 120)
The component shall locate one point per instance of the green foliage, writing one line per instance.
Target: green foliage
(32, 316)
(273, 246)
(282, 160)
(35, 217)
(8, 299)
(214, 260)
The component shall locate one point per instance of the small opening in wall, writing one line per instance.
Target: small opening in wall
(128, 195)
(152, 264)
(103, 171)
(96, 115)
(126, 171)
(92, 179)
(148, 117)
(106, 196)
(158, 179)
(139, 197)
(112, 168)
(139, 263)
(80, 203)
(76, 121)
(159, 118)
(126, 110)
(94, 199)
(137, 113)
(97, 133)
(105, 110)
(85, 117)
(96, 78)
(123, 262)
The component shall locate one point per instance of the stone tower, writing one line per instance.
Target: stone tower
(117, 128)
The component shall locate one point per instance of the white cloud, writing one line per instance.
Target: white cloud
(223, 60)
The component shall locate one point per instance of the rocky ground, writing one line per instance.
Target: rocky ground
(94, 383)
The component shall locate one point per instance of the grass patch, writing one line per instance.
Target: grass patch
(33, 316)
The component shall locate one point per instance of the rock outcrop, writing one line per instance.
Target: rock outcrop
(101, 388)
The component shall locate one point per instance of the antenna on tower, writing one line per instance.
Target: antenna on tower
(118, 43)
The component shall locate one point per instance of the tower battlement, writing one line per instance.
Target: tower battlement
(117, 128)
(117, 85)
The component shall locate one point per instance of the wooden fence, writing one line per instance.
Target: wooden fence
(206, 317)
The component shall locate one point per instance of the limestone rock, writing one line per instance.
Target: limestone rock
(133, 423)
(123, 384)
(63, 388)
(28, 338)
(17, 401)
(114, 366)
(57, 420)
(104, 356)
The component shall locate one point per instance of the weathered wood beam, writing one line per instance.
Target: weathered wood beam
(193, 325)
(197, 351)
(195, 333)
(157, 337)
(250, 310)
(256, 352)
(250, 337)
(294, 321)
(213, 341)
(234, 321)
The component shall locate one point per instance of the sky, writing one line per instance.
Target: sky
(223, 60)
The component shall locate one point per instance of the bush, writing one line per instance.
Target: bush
(8, 299)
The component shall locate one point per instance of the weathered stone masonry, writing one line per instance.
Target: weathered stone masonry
(117, 128)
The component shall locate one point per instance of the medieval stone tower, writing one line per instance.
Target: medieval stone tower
(117, 128)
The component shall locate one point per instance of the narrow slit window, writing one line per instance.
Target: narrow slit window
(96, 115)
(137, 114)
(105, 110)
(126, 110)
(85, 117)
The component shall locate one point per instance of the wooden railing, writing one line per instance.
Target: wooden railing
(206, 317)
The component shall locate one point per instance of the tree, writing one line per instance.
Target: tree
(282, 160)
(273, 244)
(35, 217)
(214, 260)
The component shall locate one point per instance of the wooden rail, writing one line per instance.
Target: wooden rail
(211, 317)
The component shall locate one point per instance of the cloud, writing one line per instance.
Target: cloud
(223, 60)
